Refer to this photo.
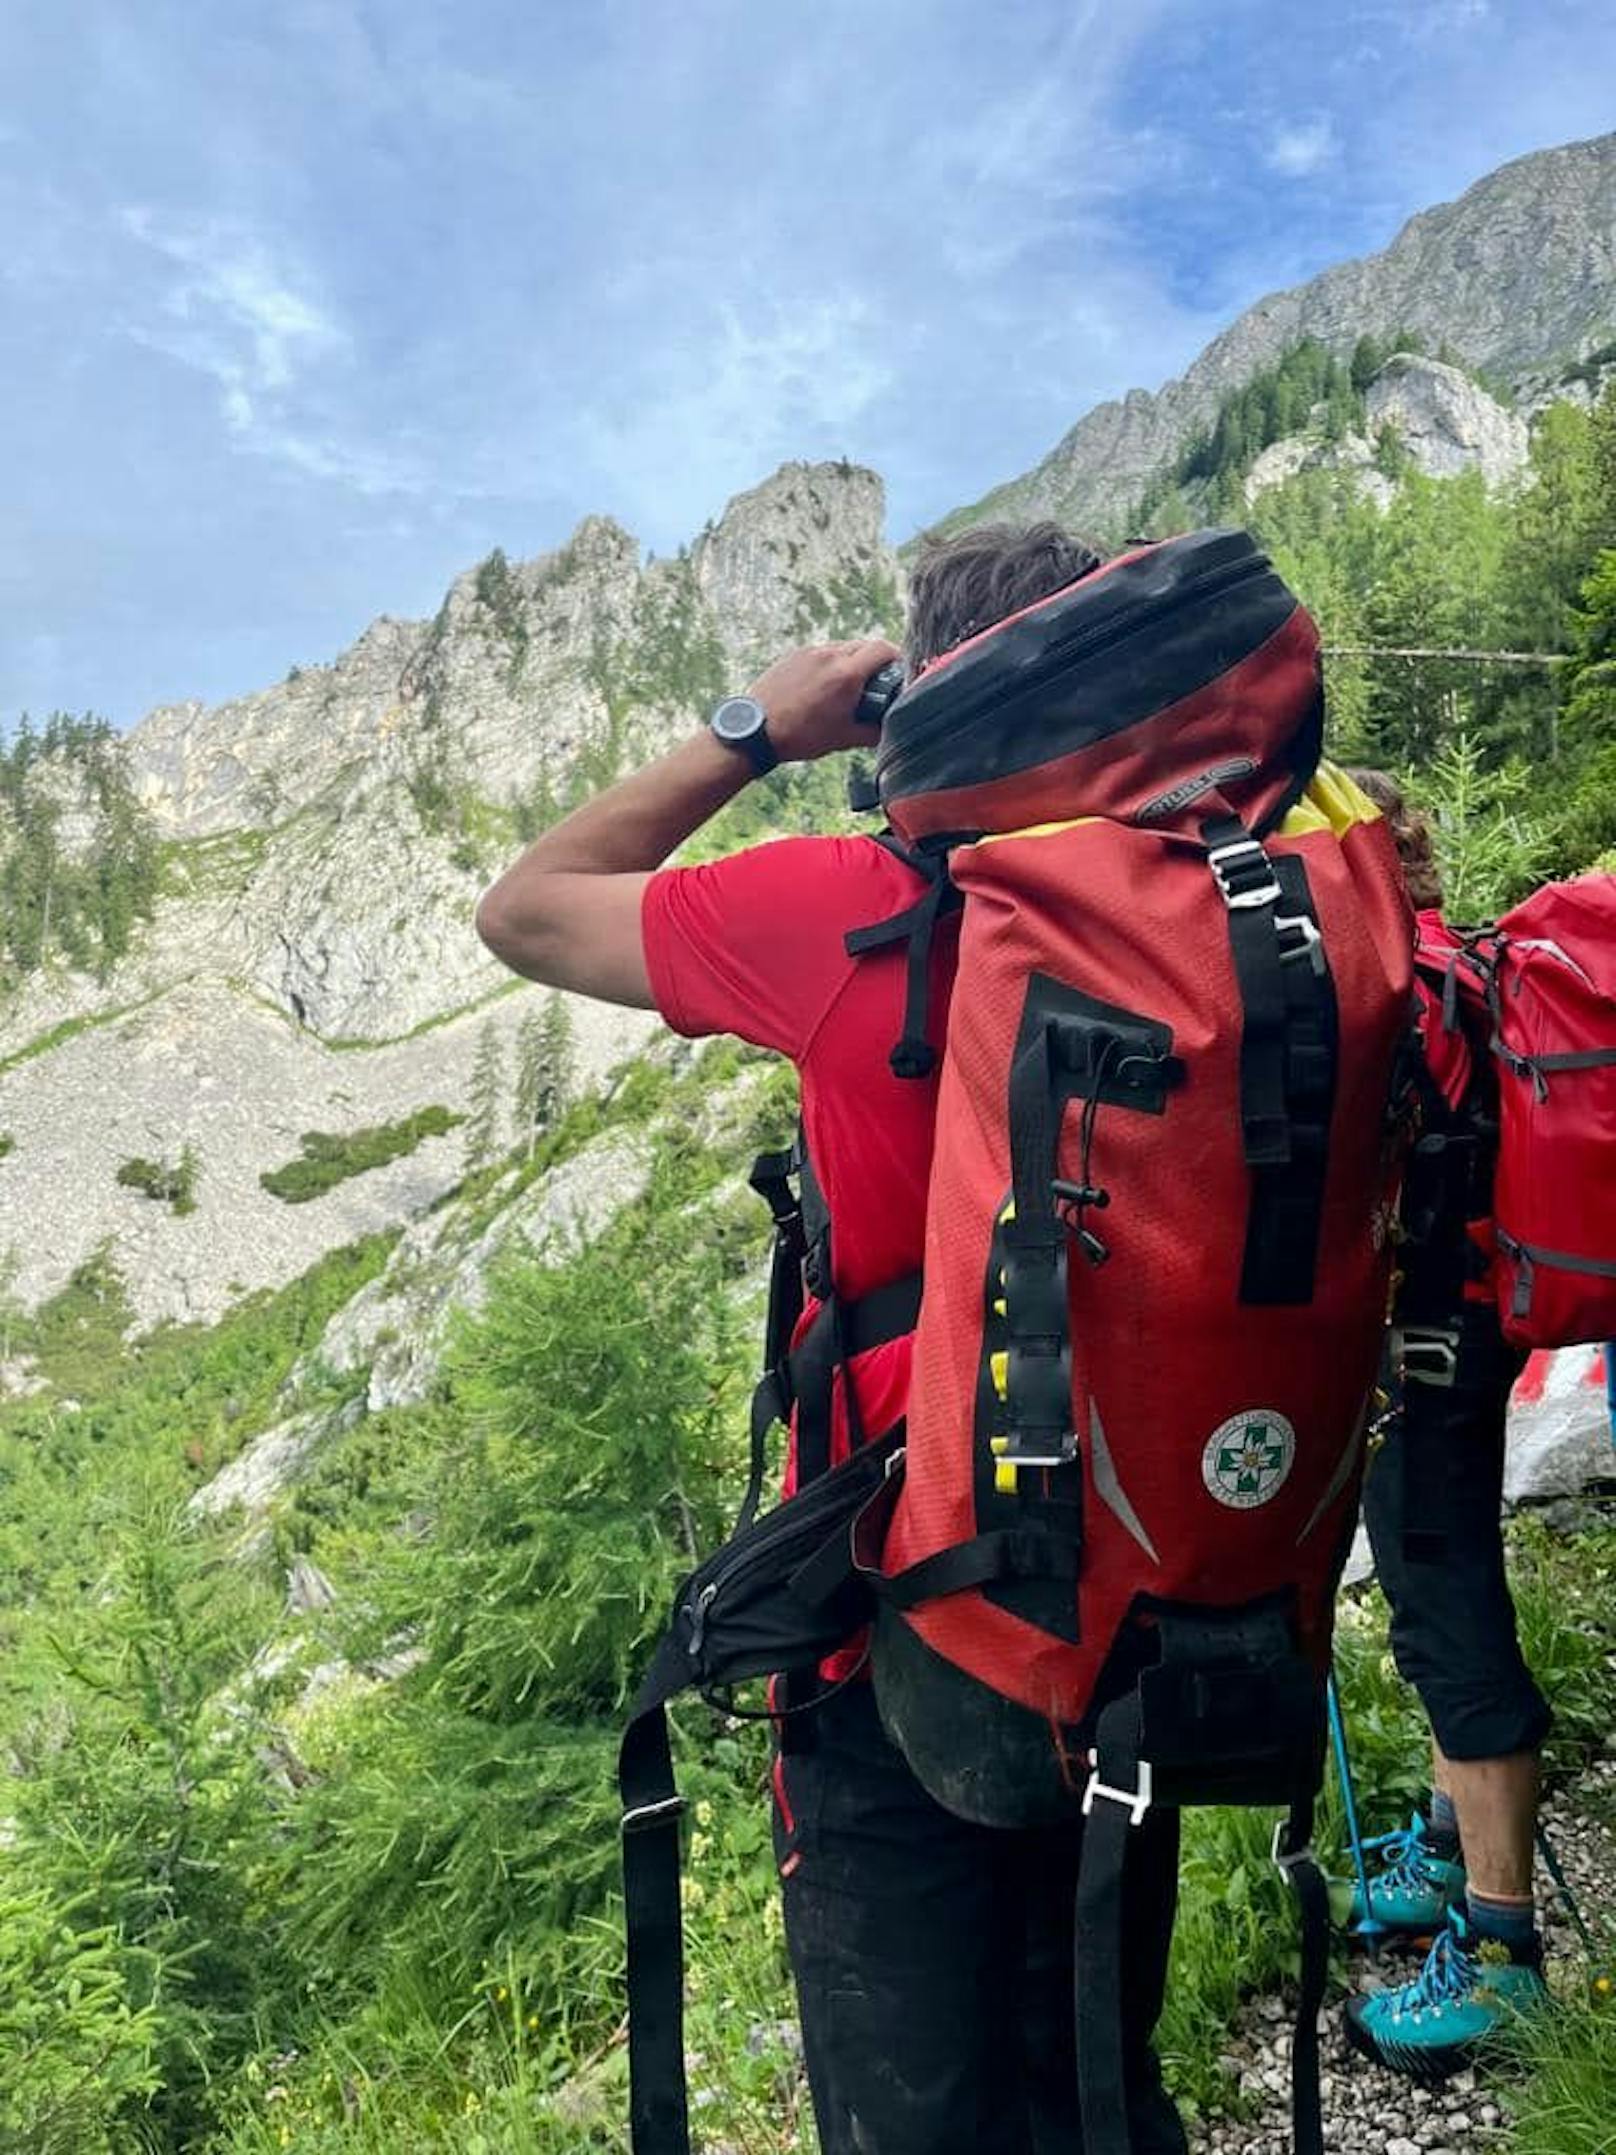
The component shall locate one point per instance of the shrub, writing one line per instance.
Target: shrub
(328, 1159)
(156, 1179)
(76, 2047)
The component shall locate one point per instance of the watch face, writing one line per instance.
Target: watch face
(738, 718)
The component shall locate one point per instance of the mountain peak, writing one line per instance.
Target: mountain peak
(1518, 276)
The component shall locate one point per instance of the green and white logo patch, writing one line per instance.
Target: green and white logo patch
(1248, 1457)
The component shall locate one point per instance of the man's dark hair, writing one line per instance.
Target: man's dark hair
(1411, 834)
(960, 586)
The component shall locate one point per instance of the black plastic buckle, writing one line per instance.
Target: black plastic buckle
(1427, 1354)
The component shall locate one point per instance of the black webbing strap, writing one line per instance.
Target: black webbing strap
(1007, 1553)
(1118, 1796)
(913, 1056)
(840, 1331)
(658, 2105)
(772, 1177)
(1116, 1799)
(1287, 1058)
(1293, 1852)
(1038, 1365)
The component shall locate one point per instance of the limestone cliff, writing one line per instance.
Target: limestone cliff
(311, 963)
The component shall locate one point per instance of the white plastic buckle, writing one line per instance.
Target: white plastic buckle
(1311, 946)
(1218, 859)
(1135, 1801)
(1287, 1864)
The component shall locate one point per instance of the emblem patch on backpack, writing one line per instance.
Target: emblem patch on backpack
(1248, 1457)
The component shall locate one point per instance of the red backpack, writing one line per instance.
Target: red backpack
(1539, 990)
(1157, 1249)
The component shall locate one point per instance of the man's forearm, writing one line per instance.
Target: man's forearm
(567, 912)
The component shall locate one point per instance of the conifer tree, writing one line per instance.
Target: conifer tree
(545, 1069)
(486, 1112)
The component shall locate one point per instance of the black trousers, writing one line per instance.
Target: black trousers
(934, 1958)
(1453, 1633)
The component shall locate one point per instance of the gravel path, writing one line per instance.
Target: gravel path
(1371, 2112)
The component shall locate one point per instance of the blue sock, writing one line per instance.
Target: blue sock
(1442, 1825)
(1512, 1923)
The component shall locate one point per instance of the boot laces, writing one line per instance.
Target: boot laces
(1450, 1971)
(1408, 1863)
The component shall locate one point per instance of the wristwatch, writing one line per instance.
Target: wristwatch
(741, 723)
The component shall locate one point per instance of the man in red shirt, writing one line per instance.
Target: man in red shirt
(933, 1958)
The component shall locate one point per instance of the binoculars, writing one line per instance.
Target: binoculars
(881, 691)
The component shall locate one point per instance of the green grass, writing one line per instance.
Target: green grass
(328, 1159)
(70, 1028)
(1564, 2102)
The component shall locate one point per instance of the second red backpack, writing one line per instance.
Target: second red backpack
(1539, 991)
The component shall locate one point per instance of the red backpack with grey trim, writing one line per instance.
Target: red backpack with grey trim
(1537, 992)
(1101, 1554)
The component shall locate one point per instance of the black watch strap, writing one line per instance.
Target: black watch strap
(759, 751)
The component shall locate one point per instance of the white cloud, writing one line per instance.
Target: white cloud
(228, 308)
(1297, 151)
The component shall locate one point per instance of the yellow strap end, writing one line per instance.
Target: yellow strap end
(1004, 1478)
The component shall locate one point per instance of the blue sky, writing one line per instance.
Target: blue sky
(305, 305)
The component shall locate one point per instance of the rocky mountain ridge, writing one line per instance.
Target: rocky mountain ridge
(311, 962)
(1518, 276)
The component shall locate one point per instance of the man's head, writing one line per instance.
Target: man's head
(963, 585)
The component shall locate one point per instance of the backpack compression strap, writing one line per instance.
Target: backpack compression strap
(1288, 1057)
(913, 1056)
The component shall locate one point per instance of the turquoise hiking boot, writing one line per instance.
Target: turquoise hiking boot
(1414, 1888)
(1431, 2027)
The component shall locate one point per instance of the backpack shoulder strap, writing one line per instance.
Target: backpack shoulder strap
(913, 1056)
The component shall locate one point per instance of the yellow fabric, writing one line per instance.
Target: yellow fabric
(1331, 803)
(1037, 830)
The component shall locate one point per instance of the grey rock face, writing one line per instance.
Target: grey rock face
(1446, 422)
(256, 1476)
(1520, 271)
(1559, 1434)
(211, 1065)
(790, 559)
(312, 963)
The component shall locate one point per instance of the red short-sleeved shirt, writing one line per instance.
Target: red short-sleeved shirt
(753, 945)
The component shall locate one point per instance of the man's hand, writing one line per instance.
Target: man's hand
(809, 697)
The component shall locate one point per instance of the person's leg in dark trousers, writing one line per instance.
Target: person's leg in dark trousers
(933, 1959)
